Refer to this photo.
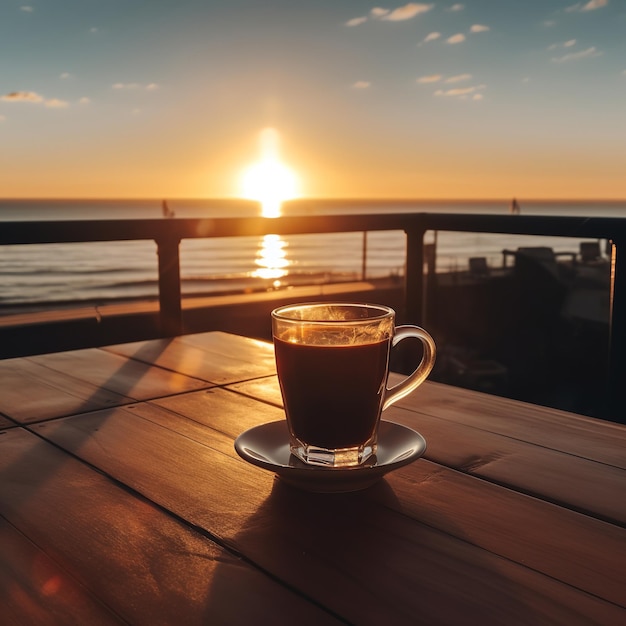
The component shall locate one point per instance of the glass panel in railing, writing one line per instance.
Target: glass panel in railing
(522, 316)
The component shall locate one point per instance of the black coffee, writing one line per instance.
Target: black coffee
(332, 394)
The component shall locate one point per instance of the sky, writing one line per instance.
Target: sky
(171, 98)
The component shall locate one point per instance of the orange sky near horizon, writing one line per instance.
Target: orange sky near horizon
(433, 101)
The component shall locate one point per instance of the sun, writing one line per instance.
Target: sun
(269, 181)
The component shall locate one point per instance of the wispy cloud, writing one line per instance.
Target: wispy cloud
(575, 56)
(400, 14)
(136, 86)
(455, 7)
(407, 12)
(433, 78)
(65, 76)
(361, 84)
(479, 28)
(356, 21)
(458, 78)
(27, 9)
(3, 118)
(583, 7)
(458, 38)
(55, 103)
(84, 100)
(462, 93)
(22, 96)
(378, 12)
(430, 37)
(33, 98)
(566, 44)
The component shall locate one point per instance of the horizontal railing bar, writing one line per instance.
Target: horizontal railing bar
(31, 232)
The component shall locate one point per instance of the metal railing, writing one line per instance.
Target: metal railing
(169, 233)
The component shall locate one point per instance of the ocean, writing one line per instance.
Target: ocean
(58, 274)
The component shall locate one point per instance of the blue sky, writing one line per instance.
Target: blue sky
(166, 98)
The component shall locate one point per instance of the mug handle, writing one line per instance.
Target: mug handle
(414, 380)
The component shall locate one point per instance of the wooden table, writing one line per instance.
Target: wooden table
(123, 501)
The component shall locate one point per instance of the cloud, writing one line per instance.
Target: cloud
(458, 38)
(134, 86)
(431, 37)
(458, 78)
(456, 7)
(55, 103)
(479, 28)
(84, 100)
(575, 56)
(433, 78)
(22, 96)
(592, 5)
(355, 21)
(566, 44)
(34, 98)
(27, 9)
(93, 29)
(361, 84)
(407, 12)
(461, 92)
(65, 76)
(3, 118)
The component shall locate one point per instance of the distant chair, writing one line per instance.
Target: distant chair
(548, 259)
(590, 252)
(478, 266)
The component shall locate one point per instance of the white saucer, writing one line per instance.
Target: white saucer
(267, 446)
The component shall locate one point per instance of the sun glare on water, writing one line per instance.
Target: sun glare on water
(269, 181)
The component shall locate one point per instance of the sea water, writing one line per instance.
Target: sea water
(98, 272)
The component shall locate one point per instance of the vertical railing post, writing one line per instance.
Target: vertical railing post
(617, 327)
(414, 279)
(170, 307)
(364, 257)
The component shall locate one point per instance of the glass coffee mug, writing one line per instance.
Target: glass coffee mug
(332, 361)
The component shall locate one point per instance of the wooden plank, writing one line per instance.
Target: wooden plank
(31, 392)
(226, 344)
(565, 479)
(146, 566)
(34, 590)
(131, 378)
(5, 422)
(553, 540)
(266, 389)
(319, 543)
(210, 360)
(590, 438)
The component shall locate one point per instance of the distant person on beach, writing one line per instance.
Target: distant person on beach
(515, 210)
(167, 212)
